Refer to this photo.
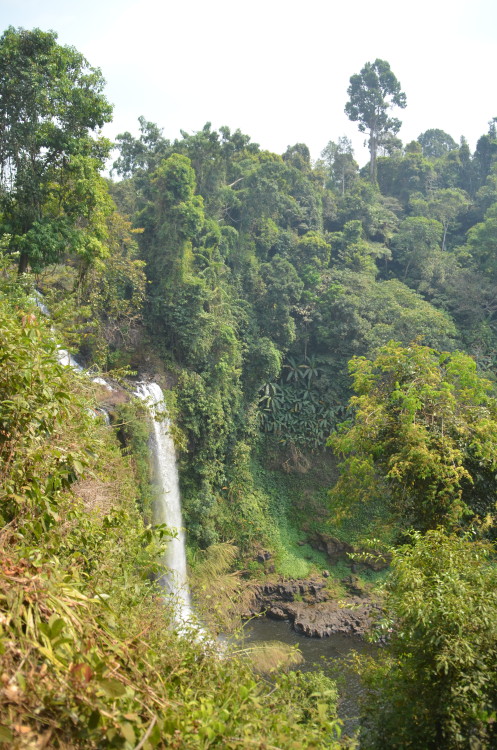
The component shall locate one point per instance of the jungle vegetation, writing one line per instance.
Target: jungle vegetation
(283, 301)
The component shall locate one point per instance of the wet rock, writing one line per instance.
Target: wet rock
(322, 620)
(307, 605)
(275, 613)
(378, 560)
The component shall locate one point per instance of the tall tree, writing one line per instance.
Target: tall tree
(51, 103)
(373, 92)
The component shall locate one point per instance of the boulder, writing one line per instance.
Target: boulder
(275, 613)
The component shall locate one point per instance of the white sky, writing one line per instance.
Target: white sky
(279, 69)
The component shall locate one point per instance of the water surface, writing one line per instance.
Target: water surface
(328, 654)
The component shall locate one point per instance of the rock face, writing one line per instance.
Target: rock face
(334, 548)
(308, 606)
(337, 550)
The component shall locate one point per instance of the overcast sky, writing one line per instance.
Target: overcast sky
(278, 69)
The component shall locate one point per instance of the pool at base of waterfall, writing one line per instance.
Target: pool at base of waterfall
(327, 654)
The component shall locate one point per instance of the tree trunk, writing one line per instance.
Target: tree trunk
(373, 143)
(23, 262)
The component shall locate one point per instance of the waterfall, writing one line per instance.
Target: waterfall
(64, 357)
(167, 504)
(67, 359)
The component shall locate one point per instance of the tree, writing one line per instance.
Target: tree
(425, 427)
(140, 153)
(356, 314)
(51, 102)
(436, 143)
(482, 244)
(354, 251)
(402, 176)
(283, 290)
(373, 92)
(414, 245)
(342, 167)
(172, 221)
(434, 686)
(298, 156)
(445, 206)
(486, 152)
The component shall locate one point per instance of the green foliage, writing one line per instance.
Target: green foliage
(421, 420)
(115, 293)
(294, 505)
(296, 409)
(138, 153)
(170, 226)
(51, 102)
(341, 165)
(355, 253)
(356, 314)
(38, 459)
(133, 431)
(482, 243)
(416, 249)
(446, 206)
(283, 289)
(401, 176)
(89, 654)
(262, 272)
(99, 312)
(243, 279)
(434, 686)
(436, 143)
(372, 93)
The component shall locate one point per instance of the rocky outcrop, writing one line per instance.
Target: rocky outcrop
(308, 605)
(324, 619)
(334, 548)
(337, 550)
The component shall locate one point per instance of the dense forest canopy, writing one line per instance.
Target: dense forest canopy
(282, 301)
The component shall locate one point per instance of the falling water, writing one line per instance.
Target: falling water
(64, 357)
(67, 359)
(167, 506)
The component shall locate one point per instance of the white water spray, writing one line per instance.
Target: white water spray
(167, 504)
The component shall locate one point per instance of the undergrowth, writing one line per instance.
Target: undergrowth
(90, 656)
